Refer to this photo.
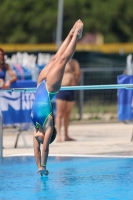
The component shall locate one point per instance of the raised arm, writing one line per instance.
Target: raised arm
(46, 142)
(37, 151)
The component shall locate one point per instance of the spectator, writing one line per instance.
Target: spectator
(65, 99)
(4, 67)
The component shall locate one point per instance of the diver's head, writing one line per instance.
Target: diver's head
(40, 136)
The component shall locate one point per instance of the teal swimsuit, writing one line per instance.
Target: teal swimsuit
(42, 106)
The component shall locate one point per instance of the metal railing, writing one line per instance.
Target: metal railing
(98, 76)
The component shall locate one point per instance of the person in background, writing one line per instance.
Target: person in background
(4, 67)
(65, 99)
(48, 84)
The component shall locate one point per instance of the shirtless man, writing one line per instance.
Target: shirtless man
(65, 99)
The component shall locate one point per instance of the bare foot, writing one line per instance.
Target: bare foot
(75, 26)
(79, 27)
(58, 139)
(69, 139)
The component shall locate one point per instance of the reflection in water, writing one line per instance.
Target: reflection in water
(41, 184)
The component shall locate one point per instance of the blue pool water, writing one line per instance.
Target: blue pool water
(70, 178)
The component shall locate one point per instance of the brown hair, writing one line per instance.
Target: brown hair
(53, 135)
(3, 54)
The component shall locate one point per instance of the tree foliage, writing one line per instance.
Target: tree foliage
(31, 21)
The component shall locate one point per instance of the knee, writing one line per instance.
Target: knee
(67, 114)
(59, 115)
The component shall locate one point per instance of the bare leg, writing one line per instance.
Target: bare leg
(55, 75)
(66, 42)
(67, 113)
(58, 62)
(60, 51)
(37, 151)
(60, 108)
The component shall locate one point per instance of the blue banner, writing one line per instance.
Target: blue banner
(16, 106)
(125, 99)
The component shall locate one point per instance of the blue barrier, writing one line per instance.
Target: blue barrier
(21, 72)
(125, 99)
(24, 84)
(16, 107)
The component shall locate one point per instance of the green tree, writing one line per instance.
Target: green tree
(27, 21)
(31, 21)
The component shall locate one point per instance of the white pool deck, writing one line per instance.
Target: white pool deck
(106, 139)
